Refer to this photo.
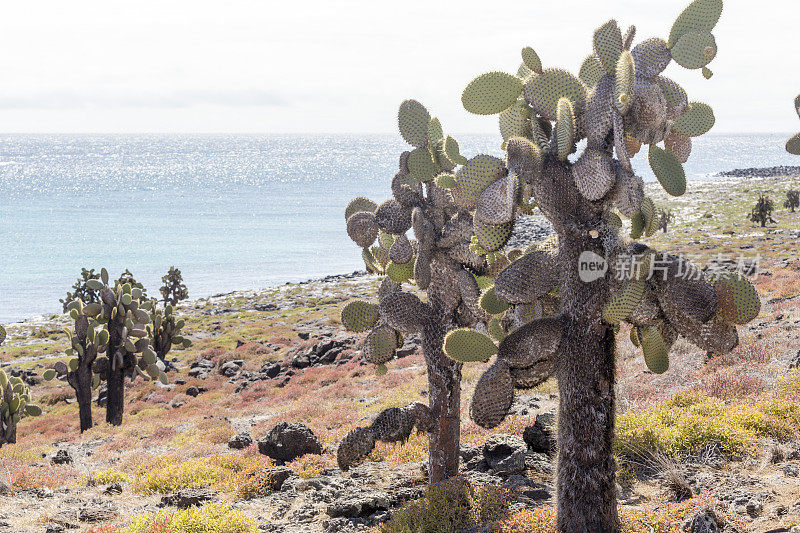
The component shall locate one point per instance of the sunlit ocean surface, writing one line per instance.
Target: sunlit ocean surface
(231, 211)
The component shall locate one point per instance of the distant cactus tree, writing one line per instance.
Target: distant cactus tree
(127, 277)
(15, 403)
(115, 328)
(793, 144)
(762, 211)
(619, 101)
(664, 218)
(792, 200)
(165, 330)
(81, 292)
(173, 290)
(440, 261)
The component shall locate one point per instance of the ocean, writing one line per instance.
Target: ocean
(233, 212)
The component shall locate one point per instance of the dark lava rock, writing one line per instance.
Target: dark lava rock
(540, 436)
(62, 457)
(701, 522)
(98, 511)
(359, 504)
(230, 369)
(195, 391)
(288, 441)
(271, 370)
(185, 498)
(505, 454)
(240, 441)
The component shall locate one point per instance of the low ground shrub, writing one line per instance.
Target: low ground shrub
(211, 518)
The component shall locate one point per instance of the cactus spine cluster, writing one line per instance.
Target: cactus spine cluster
(15, 403)
(432, 198)
(567, 322)
(762, 211)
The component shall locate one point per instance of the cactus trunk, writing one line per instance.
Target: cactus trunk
(81, 381)
(444, 393)
(115, 377)
(586, 483)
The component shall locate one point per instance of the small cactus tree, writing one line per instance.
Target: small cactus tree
(15, 403)
(165, 330)
(440, 261)
(173, 290)
(762, 211)
(80, 290)
(127, 277)
(664, 218)
(792, 200)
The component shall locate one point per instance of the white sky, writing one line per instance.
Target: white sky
(345, 65)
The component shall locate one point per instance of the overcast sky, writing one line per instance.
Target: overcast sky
(345, 65)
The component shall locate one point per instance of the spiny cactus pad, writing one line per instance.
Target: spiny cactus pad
(492, 237)
(607, 43)
(668, 170)
(493, 396)
(413, 119)
(738, 299)
(2, 334)
(531, 59)
(679, 145)
(380, 345)
(591, 71)
(392, 217)
(491, 93)
(421, 165)
(356, 445)
(400, 272)
(651, 57)
(695, 49)
(565, 128)
(359, 204)
(516, 121)
(474, 176)
(497, 201)
(593, 174)
(543, 91)
(623, 82)
(696, 120)
(528, 278)
(491, 303)
(700, 15)
(358, 316)
(466, 345)
(656, 354)
(362, 228)
(622, 304)
(793, 145)
(532, 343)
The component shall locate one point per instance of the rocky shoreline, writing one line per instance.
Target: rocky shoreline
(761, 172)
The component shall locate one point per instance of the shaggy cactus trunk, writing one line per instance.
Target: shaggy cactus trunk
(81, 381)
(444, 392)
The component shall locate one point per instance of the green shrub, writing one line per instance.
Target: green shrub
(211, 518)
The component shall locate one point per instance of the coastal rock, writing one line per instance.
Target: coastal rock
(505, 454)
(185, 498)
(240, 441)
(289, 440)
(540, 436)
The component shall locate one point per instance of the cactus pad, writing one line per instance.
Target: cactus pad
(492, 237)
(493, 396)
(700, 15)
(793, 145)
(445, 180)
(695, 49)
(622, 305)
(543, 91)
(491, 303)
(528, 278)
(361, 227)
(623, 82)
(401, 251)
(359, 316)
(400, 272)
(474, 176)
(421, 165)
(674, 95)
(380, 345)
(359, 204)
(404, 311)
(491, 93)
(516, 121)
(496, 330)
(651, 57)
(607, 44)
(738, 299)
(2, 334)
(679, 145)
(656, 353)
(531, 60)
(413, 119)
(496, 203)
(565, 128)
(393, 218)
(696, 120)
(649, 215)
(531, 343)
(356, 445)
(668, 170)
(529, 377)
(591, 71)
(628, 192)
(435, 133)
(466, 345)
(593, 174)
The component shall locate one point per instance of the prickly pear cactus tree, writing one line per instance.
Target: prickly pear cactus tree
(80, 291)
(15, 403)
(165, 330)
(125, 314)
(88, 338)
(793, 144)
(792, 201)
(762, 211)
(173, 290)
(432, 198)
(598, 276)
